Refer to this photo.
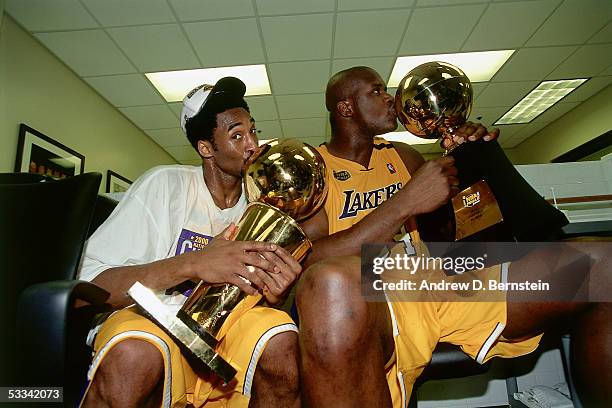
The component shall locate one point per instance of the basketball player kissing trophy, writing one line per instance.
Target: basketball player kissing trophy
(284, 182)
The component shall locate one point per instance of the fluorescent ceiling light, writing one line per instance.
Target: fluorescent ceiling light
(174, 85)
(478, 66)
(545, 95)
(407, 137)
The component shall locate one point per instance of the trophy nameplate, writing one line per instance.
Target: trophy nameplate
(475, 209)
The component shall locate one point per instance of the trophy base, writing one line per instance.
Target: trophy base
(191, 341)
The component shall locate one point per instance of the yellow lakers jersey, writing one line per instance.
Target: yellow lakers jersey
(355, 191)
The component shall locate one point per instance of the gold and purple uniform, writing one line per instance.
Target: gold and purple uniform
(475, 326)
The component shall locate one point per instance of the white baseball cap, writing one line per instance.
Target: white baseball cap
(207, 96)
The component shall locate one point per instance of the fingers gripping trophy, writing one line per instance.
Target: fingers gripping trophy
(284, 183)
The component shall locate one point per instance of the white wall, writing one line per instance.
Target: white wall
(572, 179)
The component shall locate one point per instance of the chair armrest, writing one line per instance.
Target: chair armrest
(46, 319)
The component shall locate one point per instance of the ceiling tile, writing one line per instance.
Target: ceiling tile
(588, 89)
(428, 3)
(74, 48)
(45, 15)
(288, 78)
(509, 139)
(275, 7)
(262, 107)
(605, 35)
(309, 127)
(193, 10)
(301, 106)
(507, 132)
(510, 143)
(225, 43)
(366, 33)
(151, 117)
(133, 12)
(382, 65)
(453, 25)
(369, 4)
(478, 87)
(183, 153)
(555, 112)
(168, 137)
(532, 63)
(156, 47)
(125, 90)
(574, 22)
(504, 93)
(269, 129)
(487, 115)
(588, 61)
(177, 108)
(295, 37)
(508, 25)
(529, 130)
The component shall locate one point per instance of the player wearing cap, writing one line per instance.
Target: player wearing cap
(171, 227)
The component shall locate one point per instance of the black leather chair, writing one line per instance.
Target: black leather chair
(102, 210)
(44, 227)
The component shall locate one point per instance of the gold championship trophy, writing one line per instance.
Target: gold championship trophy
(432, 101)
(284, 182)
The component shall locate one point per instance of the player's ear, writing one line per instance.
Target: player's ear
(205, 148)
(344, 108)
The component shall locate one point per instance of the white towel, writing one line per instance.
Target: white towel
(542, 396)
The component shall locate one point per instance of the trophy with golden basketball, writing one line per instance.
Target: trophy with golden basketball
(284, 183)
(432, 101)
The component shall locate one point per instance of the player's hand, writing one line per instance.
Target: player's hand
(433, 184)
(240, 263)
(470, 132)
(286, 271)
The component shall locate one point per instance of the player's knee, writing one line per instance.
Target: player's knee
(323, 280)
(130, 355)
(128, 375)
(334, 317)
(279, 362)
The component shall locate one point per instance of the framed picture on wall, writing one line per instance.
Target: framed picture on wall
(116, 183)
(38, 153)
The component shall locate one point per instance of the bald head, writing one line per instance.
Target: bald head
(343, 85)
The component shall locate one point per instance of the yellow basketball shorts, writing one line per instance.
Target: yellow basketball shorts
(242, 347)
(475, 326)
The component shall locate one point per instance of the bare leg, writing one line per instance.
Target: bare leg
(276, 382)
(131, 375)
(344, 340)
(590, 324)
